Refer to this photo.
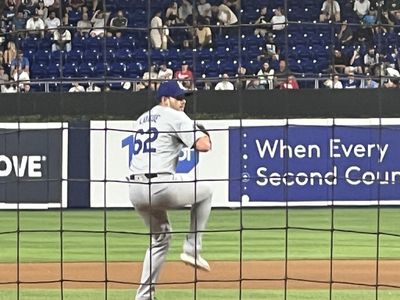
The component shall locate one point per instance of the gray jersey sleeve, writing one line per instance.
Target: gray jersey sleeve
(187, 130)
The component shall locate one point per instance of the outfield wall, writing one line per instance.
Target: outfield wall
(253, 163)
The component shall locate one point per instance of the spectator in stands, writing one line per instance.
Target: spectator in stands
(261, 23)
(283, 73)
(28, 7)
(351, 82)
(392, 83)
(119, 22)
(7, 17)
(266, 76)
(345, 35)
(185, 75)
(76, 88)
(254, 84)
(365, 35)
(3, 78)
(333, 84)
(270, 51)
(242, 79)
(165, 73)
(355, 63)
(224, 84)
(20, 62)
(10, 87)
(203, 35)
(226, 17)
(99, 21)
(330, 11)
(172, 15)
(339, 62)
(14, 3)
(20, 76)
(93, 88)
(185, 10)
(156, 33)
(84, 26)
(369, 83)
(290, 84)
(78, 5)
(62, 40)
(19, 24)
(165, 38)
(52, 22)
(150, 79)
(35, 26)
(42, 10)
(10, 53)
(205, 11)
(371, 62)
(278, 21)
(235, 5)
(361, 7)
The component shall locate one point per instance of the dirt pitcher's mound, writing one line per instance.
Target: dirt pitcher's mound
(303, 274)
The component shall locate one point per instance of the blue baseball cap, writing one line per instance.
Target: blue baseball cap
(171, 88)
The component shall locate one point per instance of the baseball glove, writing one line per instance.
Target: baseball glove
(203, 129)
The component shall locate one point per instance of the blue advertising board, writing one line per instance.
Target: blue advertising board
(314, 163)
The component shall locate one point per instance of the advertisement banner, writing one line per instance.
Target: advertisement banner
(314, 163)
(31, 165)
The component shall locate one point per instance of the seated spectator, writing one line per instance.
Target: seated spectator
(185, 76)
(205, 11)
(52, 22)
(165, 73)
(7, 17)
(242, 79)
(351, 82)
(266, 76)
(119, 22)
(282, 73)
(330, 11)
(93, 88)
(278, 21)
(333, 84)
(10, 87)
(35, 26)
(225, 15)
(254, 84)
(99, 21)
(361, 7)
(233, 4)
(156, 28)
(77, 4)
(19, 24)
(21, 77)
(150, 79)
(20, 62)
(365, 35)
(203, 36)
(28, 7)
(172, 15)
(42, 10)
(355, 63)
(225, 84)
(371, 62)
(84, 26)
(3, 78)
(262, 23)
(10, 53)
(370, 84)
(290, 84)
(14, 3)
(392, 83)
(62, 40)
(76, 88)
(345, 35)
(270, 50)
(339, 62)
(185, 10)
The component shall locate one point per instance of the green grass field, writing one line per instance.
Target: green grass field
(310, 234)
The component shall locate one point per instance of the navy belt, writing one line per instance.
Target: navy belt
(148, 176)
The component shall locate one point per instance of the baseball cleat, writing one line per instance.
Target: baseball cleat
(199, 263)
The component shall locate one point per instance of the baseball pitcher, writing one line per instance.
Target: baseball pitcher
(160, 134)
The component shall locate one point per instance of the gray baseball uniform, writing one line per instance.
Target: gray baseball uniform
(160, 135)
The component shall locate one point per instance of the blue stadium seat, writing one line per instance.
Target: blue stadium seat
(116, 69)
(86, 70)
(38, 71)
(75, 55)
(94, 43)
(70, 70)
(57, 57)
(42, 57)
(53, 70)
